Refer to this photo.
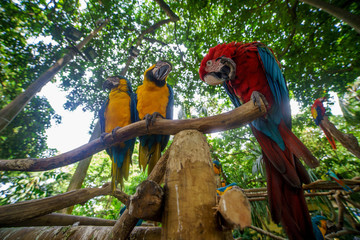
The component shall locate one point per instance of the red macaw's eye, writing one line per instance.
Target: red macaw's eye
(209, 63)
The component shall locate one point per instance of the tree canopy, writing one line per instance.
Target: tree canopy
(318, 52)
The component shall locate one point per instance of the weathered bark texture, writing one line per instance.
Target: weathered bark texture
(346, 16)
(8, 113)
(235, 208)
(190, 190)
(126, 222)
(229, 120)
(347, 140)
(81, 170)
(34, 208)
(58, 219)
(147, 201)
(74, 233)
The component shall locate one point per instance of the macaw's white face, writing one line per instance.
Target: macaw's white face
(219, 70)
(212, 79)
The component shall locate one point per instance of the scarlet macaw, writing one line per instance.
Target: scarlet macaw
(119, 110)
(334, 177)
(318, 113)
(245, 70)
(154, 98)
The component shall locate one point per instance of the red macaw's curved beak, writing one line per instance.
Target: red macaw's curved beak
(161, 70)
(221, 70)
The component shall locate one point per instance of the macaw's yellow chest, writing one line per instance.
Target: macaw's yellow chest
(152, 99)
(117, 113)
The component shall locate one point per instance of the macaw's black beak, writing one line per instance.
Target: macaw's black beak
(162, 70)
(111, 82)
(228, 71)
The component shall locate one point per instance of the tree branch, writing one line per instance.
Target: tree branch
(10, 111)
(34, 208)
(229, 120)
(167, 10)
(346, 16)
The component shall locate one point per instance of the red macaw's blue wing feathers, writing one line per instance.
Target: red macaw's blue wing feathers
(119, 110)
(280, 109)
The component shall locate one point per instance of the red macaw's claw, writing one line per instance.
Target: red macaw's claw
(257, 97)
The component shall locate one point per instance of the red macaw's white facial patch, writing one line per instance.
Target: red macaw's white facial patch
(213, 66)
(212, 79)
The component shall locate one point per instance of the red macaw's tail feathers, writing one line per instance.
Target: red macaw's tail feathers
(296, 146)
(285, 175)
(328, 136)
(287, 205)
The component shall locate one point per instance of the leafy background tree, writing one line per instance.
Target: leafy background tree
(318, 52)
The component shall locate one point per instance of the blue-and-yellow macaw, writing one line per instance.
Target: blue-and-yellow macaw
(154, 98)
(319, 226)
(119, 110)
(334, 177)
(318, 113)
(217, 167)
(250, 72)
(222, 190)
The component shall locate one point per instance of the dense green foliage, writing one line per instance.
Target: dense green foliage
(318, 53)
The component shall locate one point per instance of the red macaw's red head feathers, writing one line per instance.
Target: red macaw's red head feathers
(318, 110)
(218, 61)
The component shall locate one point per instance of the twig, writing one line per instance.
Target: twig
(259, 230)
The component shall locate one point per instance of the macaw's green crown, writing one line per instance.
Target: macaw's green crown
(158, 73)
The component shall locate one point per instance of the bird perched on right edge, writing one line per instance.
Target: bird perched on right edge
(155, 98)
(250, 72)
(318, 113)
(119, 110)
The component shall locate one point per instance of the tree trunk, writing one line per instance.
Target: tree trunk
(190, 190)
(347, 140)
(349, 18)
(10, 111)
(74, 233)
(81, 170)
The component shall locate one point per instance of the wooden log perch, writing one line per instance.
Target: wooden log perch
(59, 219)
(34, 208)
(74, 233)
(190, 190)
(229, 120)
(235, 208)
(347, 140)
(147, 201)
